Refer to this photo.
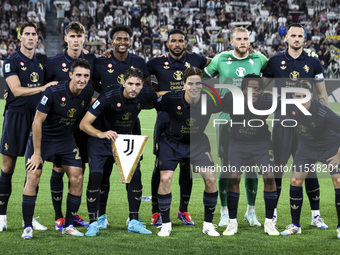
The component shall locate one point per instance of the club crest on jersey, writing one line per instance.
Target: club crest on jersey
(187, 65)
(110, 70)
(41, 66)
(229, 60)
(166, 65)
(251, 62)
(44, 100)
(178, 75)
(306, 68)
(64, 67)
(241, 72)
(283, 67)
(294, 76)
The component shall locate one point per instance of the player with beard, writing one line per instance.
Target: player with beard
(290, 66)
(232, 66)
(168, 70)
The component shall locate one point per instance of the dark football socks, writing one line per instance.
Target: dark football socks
(270, 202)
(28, 205)
(57, 186)
(73, 203)
(5, 191)
(296, 199)
(164, 203)
(233, 204)
(209, 202)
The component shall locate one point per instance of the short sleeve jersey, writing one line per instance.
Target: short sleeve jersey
(117, 113)
(186, 121)
(59, 66)
(31, 74)
(231, 69)
(290, 70)
(63, 111)
(110, 71)
(169, 71)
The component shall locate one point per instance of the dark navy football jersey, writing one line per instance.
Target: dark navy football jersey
(240, 130)
(185, 120)
(63, 111)
(117, 113)
(31, 74)
(169, 71)
(110, 71)
(320, 130)
(59, 66)
(290, 70)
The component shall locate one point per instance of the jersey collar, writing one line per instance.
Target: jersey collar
(116, 61)
(181, 60)
(289, 57)
(26, 59)
(238, 57)
(69, 59)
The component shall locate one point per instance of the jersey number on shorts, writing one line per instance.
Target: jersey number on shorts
(77, 154)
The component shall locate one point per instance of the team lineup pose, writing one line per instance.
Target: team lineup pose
(52, 138)
(168, 70)
(318, 141)
(184, 139)
(287, 67)
(57, 69)
(24, 73)
(232, 66)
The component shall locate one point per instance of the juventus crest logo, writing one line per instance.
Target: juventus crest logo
(129, 146)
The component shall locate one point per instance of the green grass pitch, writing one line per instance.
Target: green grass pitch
(183, 239)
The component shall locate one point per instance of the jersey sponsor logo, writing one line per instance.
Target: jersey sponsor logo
(178, 75)
(7, 68)
(44, 100)
(241, 72)
(126, 116)
(91, 199)
(94, 106)
(319, 77)
(64, 69)
(179, 113)
(63, 104)
(24, 68)
(306, 68)
(71, 112)
(110, 70)
(190, 122)
(34, 77)
(120, 78)
(294, 76)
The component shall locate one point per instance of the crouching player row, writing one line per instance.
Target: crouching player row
(318, 141)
